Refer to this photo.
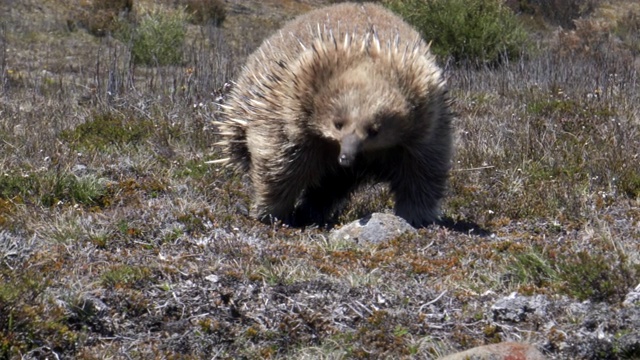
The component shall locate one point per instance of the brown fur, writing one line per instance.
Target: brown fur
(340, 96)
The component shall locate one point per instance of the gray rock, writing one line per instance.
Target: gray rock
(607, 330)
(501, 351)
(79, 170)
(632, 298)
(91, 306)
(376, 228)
(516, 308)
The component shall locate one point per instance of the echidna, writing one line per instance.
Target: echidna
(343, 95)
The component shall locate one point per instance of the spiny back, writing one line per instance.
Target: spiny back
(280, 80)
(337, 20)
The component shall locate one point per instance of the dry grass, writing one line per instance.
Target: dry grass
(117, 240)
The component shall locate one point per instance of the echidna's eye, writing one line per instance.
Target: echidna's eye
(338, 124)
(372, 131)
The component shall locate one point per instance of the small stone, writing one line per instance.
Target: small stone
(376, 228)
(632, 298)
(213, 278)
(79, 169)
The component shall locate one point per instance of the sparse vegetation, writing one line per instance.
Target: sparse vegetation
(102, 17)
(119, 240)
(28, 316)
(205, 12)
(628, 30)
(556, 12)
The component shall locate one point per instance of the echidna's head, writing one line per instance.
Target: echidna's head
(362, 111)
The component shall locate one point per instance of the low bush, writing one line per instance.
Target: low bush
(158, 38)
(105, 130)
(477, 31)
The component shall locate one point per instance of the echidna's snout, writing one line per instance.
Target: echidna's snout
(349, 147)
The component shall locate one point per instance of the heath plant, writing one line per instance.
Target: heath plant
(477, 31)
(157, 39)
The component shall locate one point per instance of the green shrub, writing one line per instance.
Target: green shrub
(534, 268)
(476, 31)
(598, 278)
(51, 187)
(158, 38)
(629, 183)
(109, 129)
(28, 317)
(124, 276)
(594, 276)
(203, 12)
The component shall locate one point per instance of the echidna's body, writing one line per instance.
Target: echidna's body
(340, 96)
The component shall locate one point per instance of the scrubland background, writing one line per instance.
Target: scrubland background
(118, 240)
